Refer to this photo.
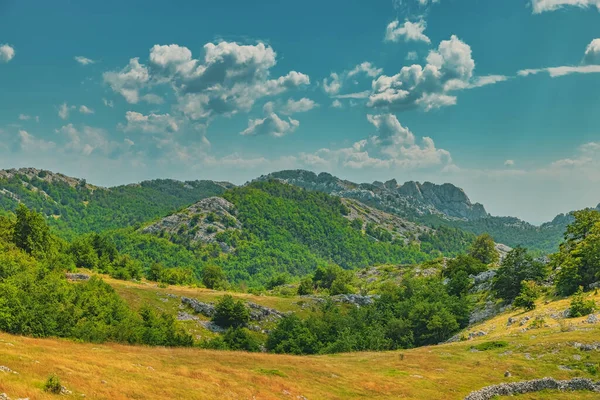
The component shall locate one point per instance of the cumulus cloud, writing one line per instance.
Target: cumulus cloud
(84, 60)
(540, 6)
(366, 68)
(409, 31)
(509, 163)
(448, 68)
(229, 78)
(589, 65)
(7, 53)
(592, 53)
(412, 56)
(129, 80)
(152, 123)
(271, 124)
(87, 140)
(85, 110)
(297, 106)
(333, 84)
(393, 146)
(336, 104)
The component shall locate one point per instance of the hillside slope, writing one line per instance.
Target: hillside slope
(448, 371)
(434, 205)
(74, 206)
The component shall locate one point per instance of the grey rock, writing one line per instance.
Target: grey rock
(262, 313)
(77, 276)
(355, 299)
(507, 374)
(183, 316)
(592, 319)
(476, 334)
(6, 370)
(489, 310)
(532, 386)
(206, 309)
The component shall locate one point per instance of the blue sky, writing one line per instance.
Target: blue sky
(500, 98)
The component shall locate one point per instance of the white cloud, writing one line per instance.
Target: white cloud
(229, 78)
(590, 64)
(392, 147)
(487, 80)
(297, 106)
(152, 98)
(30, 143)
(336, 104)
(409, 31)
(84, 60)
(333, 84)
(64, 110)
(85, 110)
(152, 123)
(592, 53)
(540, 6)
(412, 56)
(87, 140)
(7, 53)
(448, 68)
(128, 81)
(367, 68)
(108, 103)
(24, 117)
(509, 163)
(271, 125)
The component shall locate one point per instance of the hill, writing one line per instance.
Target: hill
(74, 206)
(267, 228)
(434, 205)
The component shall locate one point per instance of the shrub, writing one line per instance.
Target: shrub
(494, 344)
(230, 313)
(240, 339)
(305, 287)
(213, 276)
(53, 385)
(580, 306)
(529, 294)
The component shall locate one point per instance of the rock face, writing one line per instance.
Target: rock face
(411, 198)
(201, 222)
(262, 313)
(206, 309)
(77, 277)
(536, 385)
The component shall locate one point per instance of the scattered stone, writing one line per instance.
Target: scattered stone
(355, 299)
(510, 321)
(6, 370)
(576, 357)
(285, 392)
(488, 310)
(536, 385)
(592, 319)
(211, 326)
(183, 316)
(586, 347)
(507, 374)
(64, 391)
(262, 313)
(173, 296)
(476, 334)
(4, 396)
(206, 309)
(77, 277)
(528, 356)
(524, 320)
(103, 382)
(565, 368)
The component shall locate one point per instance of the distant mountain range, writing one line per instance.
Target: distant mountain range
(75, 204)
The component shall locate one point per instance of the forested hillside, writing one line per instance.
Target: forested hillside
(77, 207)
(269, 228)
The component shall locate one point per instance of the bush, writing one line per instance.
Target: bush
(53, 385)
(240, 339)
(579, 306)
(305, 287)
(213, 276)
(494, 344)
(230, 313)
(529, 294)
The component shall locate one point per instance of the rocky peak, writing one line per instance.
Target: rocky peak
(411, 197)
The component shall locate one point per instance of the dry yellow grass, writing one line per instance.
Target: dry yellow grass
(448, 371)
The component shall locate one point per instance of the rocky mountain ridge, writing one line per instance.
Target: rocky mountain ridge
(409, 199)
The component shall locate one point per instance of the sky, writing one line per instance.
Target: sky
(501, 98)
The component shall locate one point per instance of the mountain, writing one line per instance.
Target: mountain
(411, 199)
(433, 205)
(267, 228)
(74, 206)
